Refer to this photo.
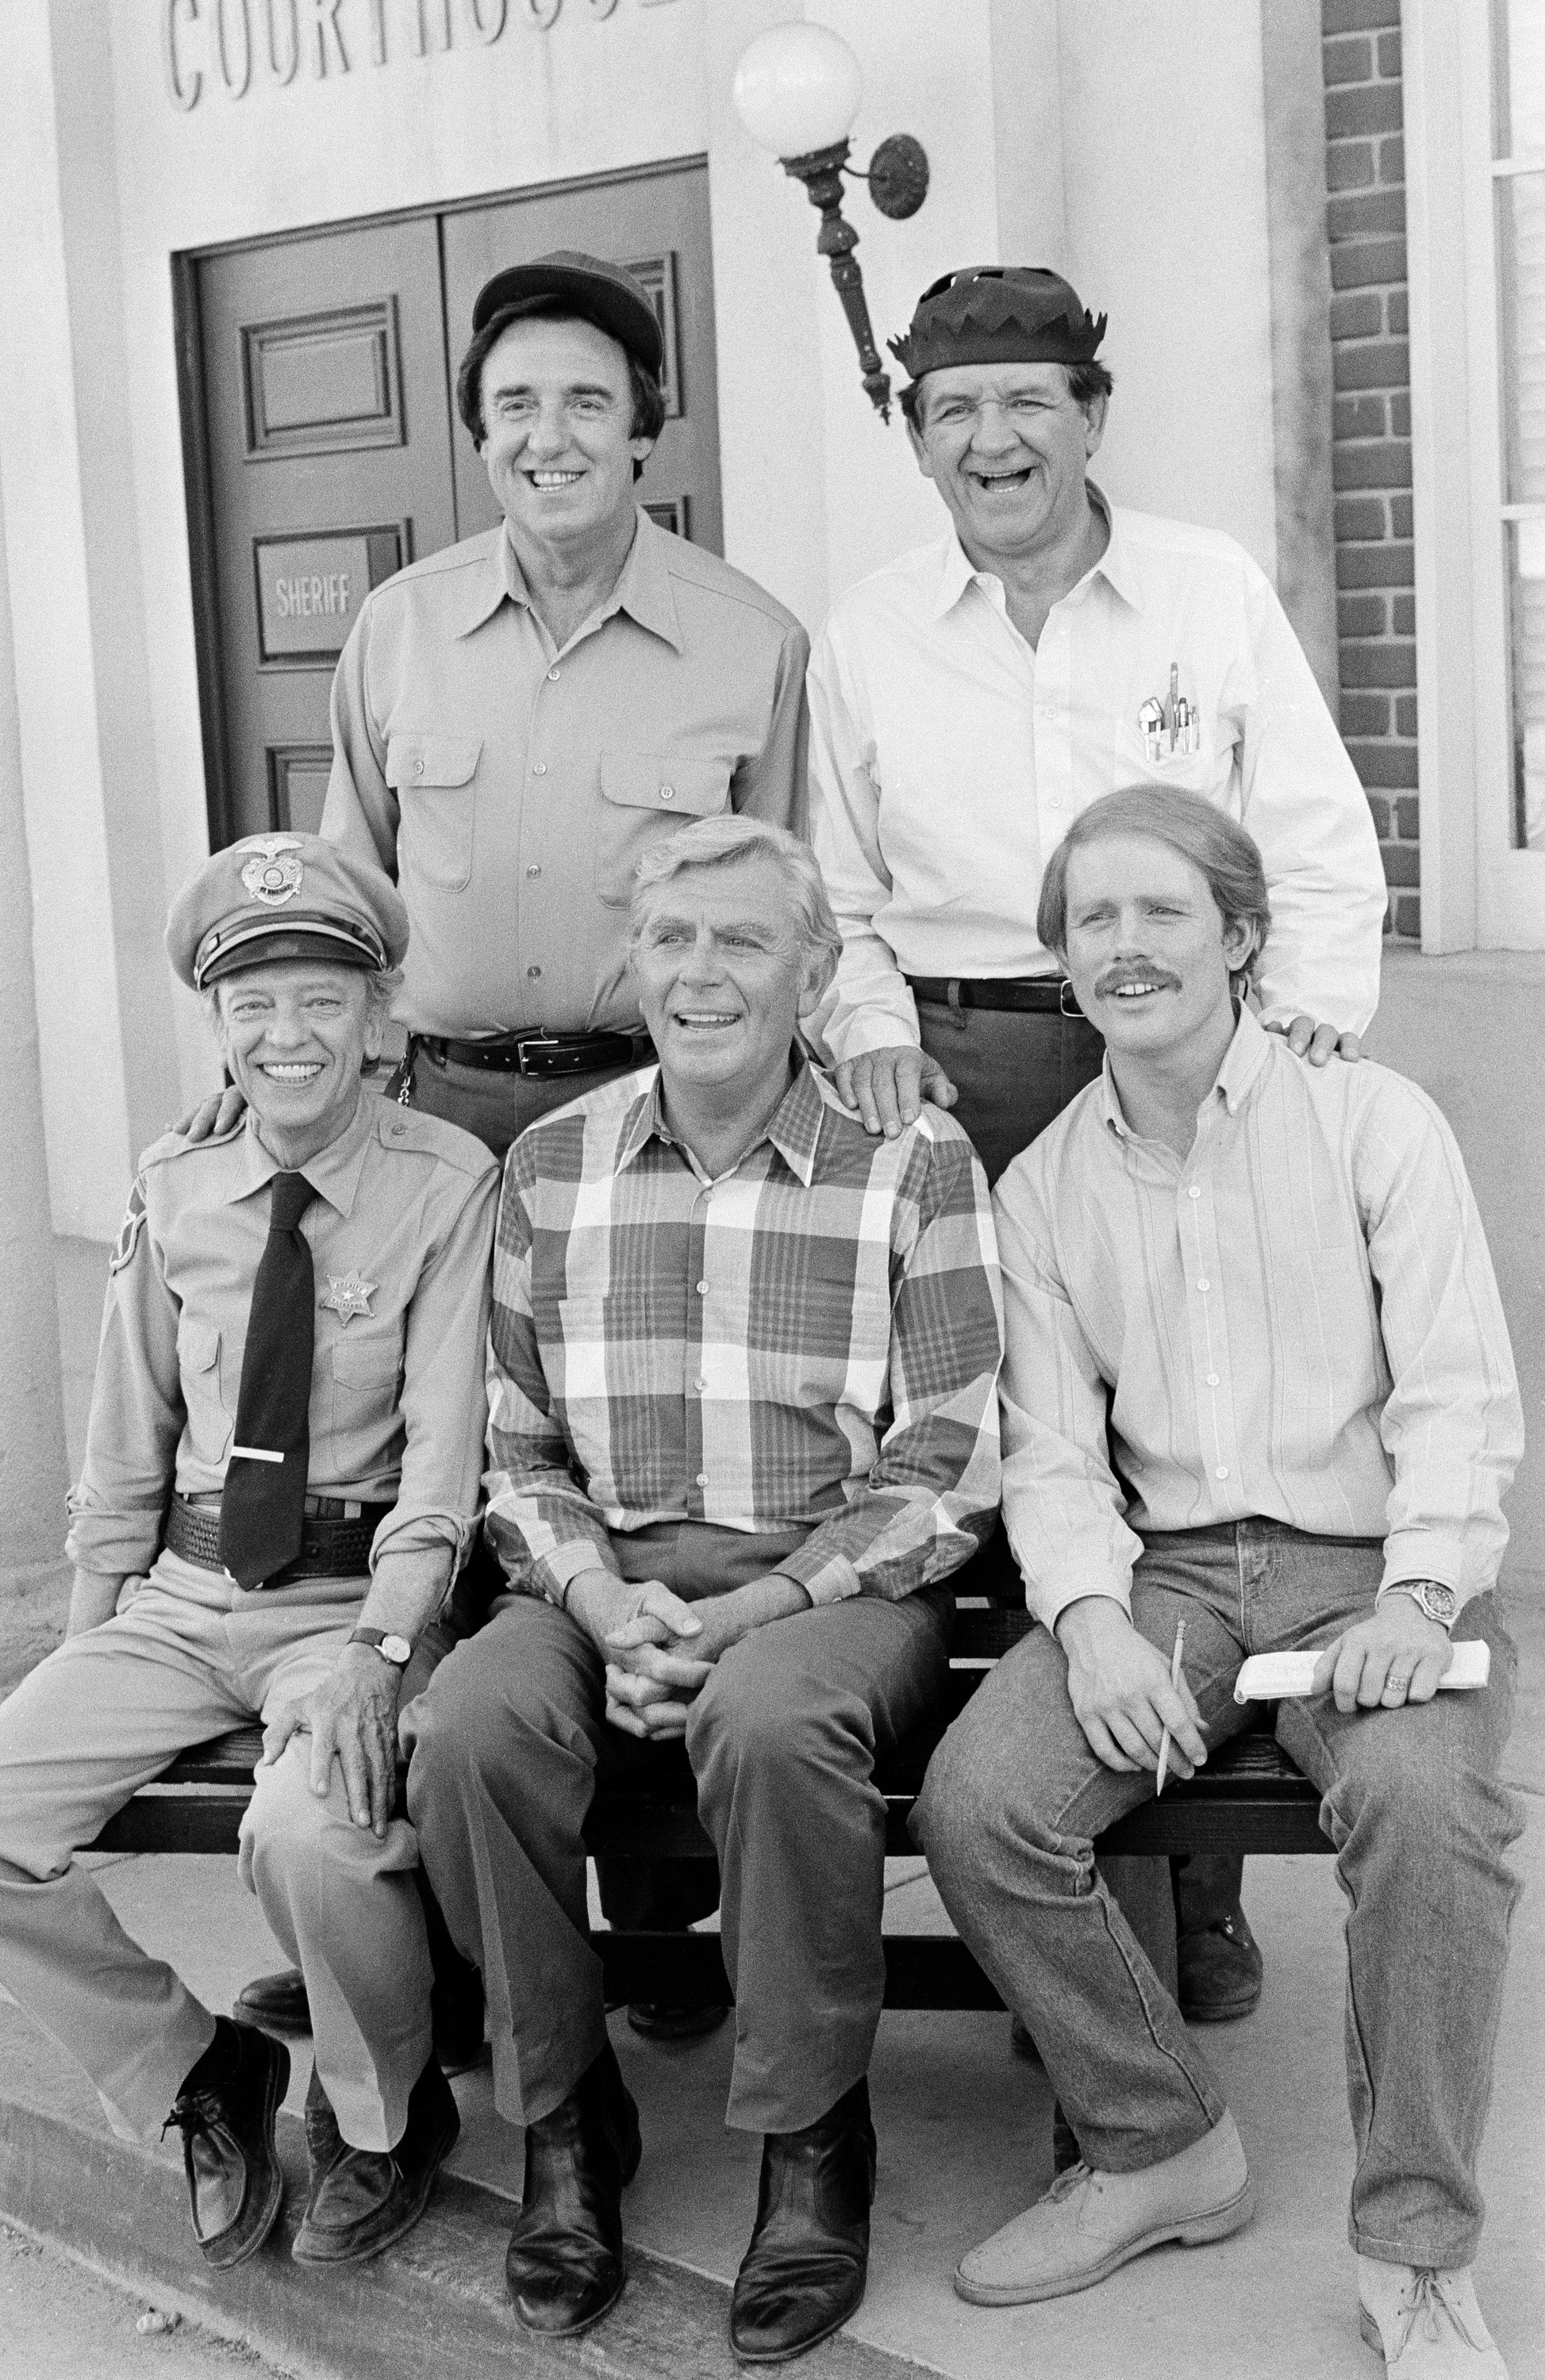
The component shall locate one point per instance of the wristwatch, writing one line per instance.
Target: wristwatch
(1440, 1603)
(396, 1649)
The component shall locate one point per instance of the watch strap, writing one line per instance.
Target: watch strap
(378, 1639)
(1429, 1594)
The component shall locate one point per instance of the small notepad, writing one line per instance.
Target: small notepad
(1280, 1677)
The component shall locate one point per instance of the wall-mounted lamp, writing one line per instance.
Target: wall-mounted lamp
(797, 90)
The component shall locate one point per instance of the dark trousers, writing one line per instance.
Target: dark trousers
(511, 1742)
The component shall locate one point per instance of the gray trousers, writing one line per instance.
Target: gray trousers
(510, 1743)
(191, 1655)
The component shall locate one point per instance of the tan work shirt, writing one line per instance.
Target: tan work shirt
(401, 1235)
(511, 787)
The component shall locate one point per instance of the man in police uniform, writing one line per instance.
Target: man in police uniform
(281, 1475)
(970, 699)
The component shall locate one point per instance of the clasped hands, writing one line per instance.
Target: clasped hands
(659, 1651)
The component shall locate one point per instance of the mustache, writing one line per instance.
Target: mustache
(1115, 977)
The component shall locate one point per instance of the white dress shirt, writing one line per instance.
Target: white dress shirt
(1297, 1322)
(949, 758)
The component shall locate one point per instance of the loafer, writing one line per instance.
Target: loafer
(803, 2274)
(564, 2268)
(1426, 2324)
(1088, 2223)
(275, 2003)
(1221, 1969)
(363, 2200)
(227, 2112)
(663, 2020)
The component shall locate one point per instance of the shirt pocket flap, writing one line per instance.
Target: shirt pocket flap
(415, 759)
(365, 1363)
(197, 1345)
(664, 781)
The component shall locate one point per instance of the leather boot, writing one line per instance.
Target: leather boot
(1220, 1962)
(364, 2200)
(564, 2268)
(275, 2003)
(227, 2111)
(803, 2273)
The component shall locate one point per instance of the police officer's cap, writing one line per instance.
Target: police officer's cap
(599, 293)
(284, 897)
(998, 314)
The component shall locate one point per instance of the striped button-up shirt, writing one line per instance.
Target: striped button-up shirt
(1297, 1320)
(811, 1340)
(949, 758)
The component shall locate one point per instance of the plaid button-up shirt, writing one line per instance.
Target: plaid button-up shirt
(811, 1340)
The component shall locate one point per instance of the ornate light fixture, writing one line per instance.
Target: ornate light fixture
(797, 90)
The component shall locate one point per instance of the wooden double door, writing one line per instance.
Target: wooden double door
(324, 450)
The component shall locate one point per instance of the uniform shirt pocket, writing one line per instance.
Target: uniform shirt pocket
(211, 1423)
(366, 1374)
(434, 778)
(644, 797)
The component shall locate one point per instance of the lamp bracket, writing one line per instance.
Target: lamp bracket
(898, 176)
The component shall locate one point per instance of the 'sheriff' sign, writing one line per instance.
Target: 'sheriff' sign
(234, 46)
(309, 590)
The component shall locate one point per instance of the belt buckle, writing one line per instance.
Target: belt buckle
(538, 1041)
(1066, 1004)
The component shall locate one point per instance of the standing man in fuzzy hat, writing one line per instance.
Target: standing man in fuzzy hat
(968, 700)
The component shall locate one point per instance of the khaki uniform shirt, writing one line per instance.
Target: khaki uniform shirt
(400, 1230)
(511, 787)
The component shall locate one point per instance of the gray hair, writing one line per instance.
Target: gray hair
(715, 842)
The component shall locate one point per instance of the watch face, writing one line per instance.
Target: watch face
(397, 1649)
(1440, 1601)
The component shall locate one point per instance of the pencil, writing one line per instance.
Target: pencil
(1174, 1681)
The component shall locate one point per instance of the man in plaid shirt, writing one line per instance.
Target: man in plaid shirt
(742, 1373)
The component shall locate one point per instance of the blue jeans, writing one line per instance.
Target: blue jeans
(1410, 1798)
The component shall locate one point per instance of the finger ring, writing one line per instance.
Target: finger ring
(1402, 1681)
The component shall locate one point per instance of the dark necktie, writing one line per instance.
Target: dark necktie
(264, 1506)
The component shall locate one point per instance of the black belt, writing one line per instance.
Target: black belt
(1040, 993)
(541, 1053)
(329, 1547)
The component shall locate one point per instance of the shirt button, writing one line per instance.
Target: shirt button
(699, 1384)
(417, 768)
(554, 673)
(1221, 1472)
(534, 971)
(533, 868)
(1213, 1379)
(702, 1480)
(539, 768)
(1193, 1192)
(667, 793)
(398, 1131)
(702, 1289)
(1204, 1284)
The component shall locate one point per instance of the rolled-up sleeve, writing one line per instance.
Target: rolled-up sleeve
(137, 1410)
(443, 1407)
(931, 1494)
(1303, 804)
(1063, 1504)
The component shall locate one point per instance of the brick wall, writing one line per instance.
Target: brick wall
(1365, 179)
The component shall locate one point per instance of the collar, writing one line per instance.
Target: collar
(1243, 1060)
(794, 1127)
(333, 1172)
(643, 588)
(958, 571)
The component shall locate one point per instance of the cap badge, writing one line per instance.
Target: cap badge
(272, 875)
(347, 1295)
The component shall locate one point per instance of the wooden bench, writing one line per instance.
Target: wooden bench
(1250, 1798)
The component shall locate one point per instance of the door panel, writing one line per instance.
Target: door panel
(658, 225)
(329, 442)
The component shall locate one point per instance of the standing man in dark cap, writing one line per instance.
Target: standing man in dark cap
(281, 1474)
(968, 700)
(517, 719)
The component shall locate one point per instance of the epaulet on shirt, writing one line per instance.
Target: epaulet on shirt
(428, 1135)
(173, 1144)
(470, 552)
(696, 567)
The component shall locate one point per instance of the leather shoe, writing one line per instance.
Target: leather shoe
(275, 2003)
(665, 2020)
(362, 2200)
(1221, 1969)
(564, 2268)
(1090, 2223)
(227, 2111)
(803, 2273)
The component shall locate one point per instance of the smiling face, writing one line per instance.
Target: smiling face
(722, 972)
(557, 409)
(295, 1036)
(1006, 447)
(1148, 955)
